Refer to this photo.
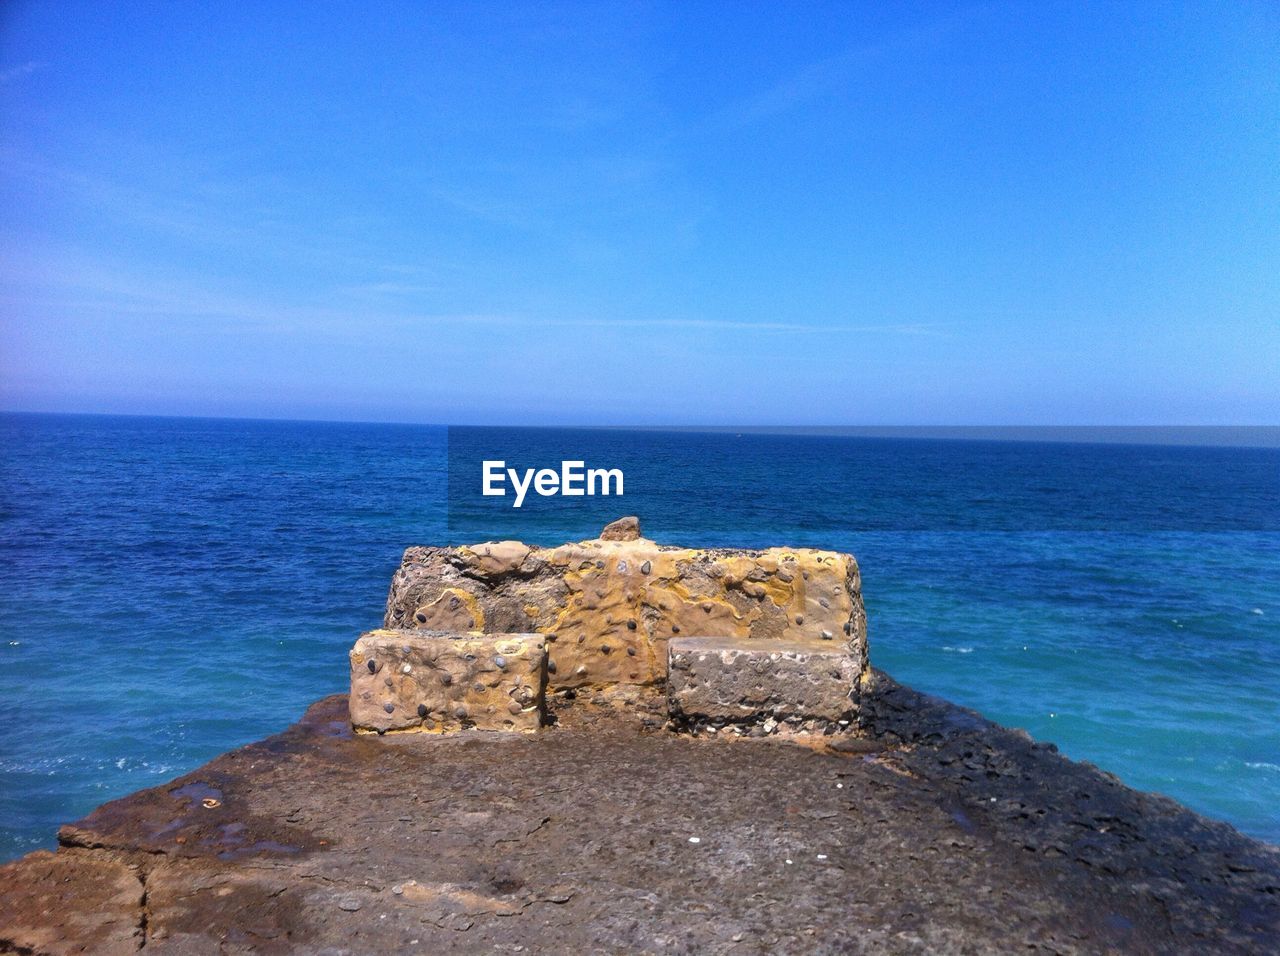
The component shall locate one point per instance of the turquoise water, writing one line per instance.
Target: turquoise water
(171, 588)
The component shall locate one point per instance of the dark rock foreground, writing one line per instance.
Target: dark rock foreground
(935, 832)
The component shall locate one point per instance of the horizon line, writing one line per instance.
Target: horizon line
(1227, 436)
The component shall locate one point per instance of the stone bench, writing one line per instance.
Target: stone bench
(608, 606)
(612, 614)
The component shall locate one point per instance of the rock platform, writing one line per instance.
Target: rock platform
(930, 831)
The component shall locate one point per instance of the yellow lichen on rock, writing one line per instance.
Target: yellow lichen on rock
(454, 610)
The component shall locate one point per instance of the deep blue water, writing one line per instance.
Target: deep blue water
(171, 588)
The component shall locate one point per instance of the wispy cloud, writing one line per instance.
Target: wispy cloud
(12, 73)
(181, 198)
(813, 80)
(744, 325)
(829, 74)
(386, 289)
(67, 282)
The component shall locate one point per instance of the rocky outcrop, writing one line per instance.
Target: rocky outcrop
(607, 607)
(933, 831)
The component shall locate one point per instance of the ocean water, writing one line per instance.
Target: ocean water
(172, 588)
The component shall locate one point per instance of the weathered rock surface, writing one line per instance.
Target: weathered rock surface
(801, 685)
(608, 606)
(405, 680)
(62, 902)
(936, 831)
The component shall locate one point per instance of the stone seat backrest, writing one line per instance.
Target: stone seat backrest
(609, 607)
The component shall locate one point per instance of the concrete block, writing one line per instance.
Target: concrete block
(403, 680)
(717, 680)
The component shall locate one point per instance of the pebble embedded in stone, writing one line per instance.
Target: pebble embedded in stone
(631, 625)
(446, 678)
(499, 661)
(646, 567)
(422, 710)
(373, 667)
(349, 903)
(389, 708)
(695, 839)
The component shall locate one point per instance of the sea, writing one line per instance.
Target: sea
(173, 588)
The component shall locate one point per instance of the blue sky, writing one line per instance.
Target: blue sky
(855, 213)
